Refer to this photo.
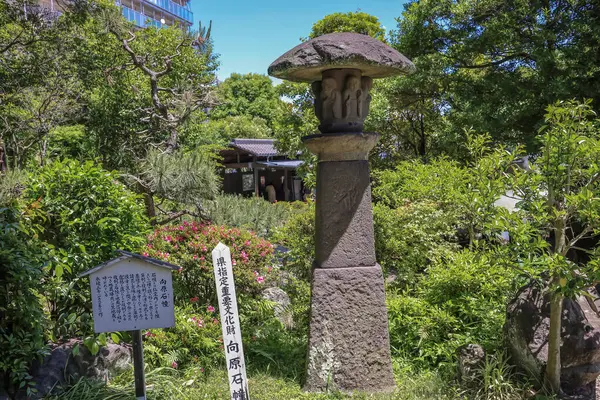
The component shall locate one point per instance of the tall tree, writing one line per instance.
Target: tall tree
(166, 78)
(560, 215)
(251, 95)
(358, 22)
(39, 90)
(497, 64)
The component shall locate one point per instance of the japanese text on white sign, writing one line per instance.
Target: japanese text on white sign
(132, 295)
(230, 323)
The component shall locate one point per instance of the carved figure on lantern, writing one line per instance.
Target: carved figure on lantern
(331, 100)
(365, 96)
(352, 95)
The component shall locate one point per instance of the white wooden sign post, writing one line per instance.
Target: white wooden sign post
(131, 293)
(230, 323)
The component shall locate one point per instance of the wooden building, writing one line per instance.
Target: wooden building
(251, 164)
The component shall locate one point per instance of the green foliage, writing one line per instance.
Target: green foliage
(252, 95)
(68, 142)
(21, 316)
(268, 345)
(414, 181)
(193, 383)
(497, 380)
(558, 217)
(45, 71)
(186, 178)
(460, 300)
(12, 184)
(297, 121)
(475, 71)
(409, 237)
(220, 132)
(410, 118)
(251, 213)
(193, 341)
(190, 245)
(357, 22)
(146, 120)
(298, 235)
(81, 214)
(466, 194)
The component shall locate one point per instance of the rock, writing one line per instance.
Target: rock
(305, 62)
(471, 358)
(61, 366)
(282, 304)
(526, 330)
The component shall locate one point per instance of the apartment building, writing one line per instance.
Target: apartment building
(145, 13)
(157, 13)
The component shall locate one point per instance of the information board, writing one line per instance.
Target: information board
(132, 295)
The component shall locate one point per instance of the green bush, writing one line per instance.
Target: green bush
(189, 246)
(194, 340)
(461, 299)
(268, 344)
(68, 142)
(413, 181)
(409, 238)
(251, 213)
(81, 214)
(298, 236)
(419, 331)
(21, 316)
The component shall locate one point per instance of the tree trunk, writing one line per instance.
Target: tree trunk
(422, 139)
(150, 208)
(3, 160)
(553, 368)
(552, 375)
(43, 151)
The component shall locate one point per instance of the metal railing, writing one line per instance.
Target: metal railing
(174, 9)
(138, 18)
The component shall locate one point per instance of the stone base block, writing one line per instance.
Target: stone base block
(349, 346)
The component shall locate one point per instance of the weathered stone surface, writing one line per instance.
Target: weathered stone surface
(526, 329)
(341, 146)
(342, 100)
(349, 346)
(282, 304)
(471, 358)
(306, 62)
(344, 215)
(61, 366)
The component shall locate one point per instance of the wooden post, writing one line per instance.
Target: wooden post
(286, 190)
(255, 169)
(138, 365)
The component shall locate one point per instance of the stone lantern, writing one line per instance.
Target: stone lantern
(348, 345)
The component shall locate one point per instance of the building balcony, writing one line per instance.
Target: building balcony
(139, 19)
(176, 9)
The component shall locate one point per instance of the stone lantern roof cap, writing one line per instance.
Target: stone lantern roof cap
(306, 62)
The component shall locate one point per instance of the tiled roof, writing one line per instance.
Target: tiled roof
(125, 255)
(292, 164)
(256, 147)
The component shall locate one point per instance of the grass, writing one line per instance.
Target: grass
(167, 384)
(498, 382)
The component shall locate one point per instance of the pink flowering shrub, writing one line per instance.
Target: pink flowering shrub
(190, 246)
